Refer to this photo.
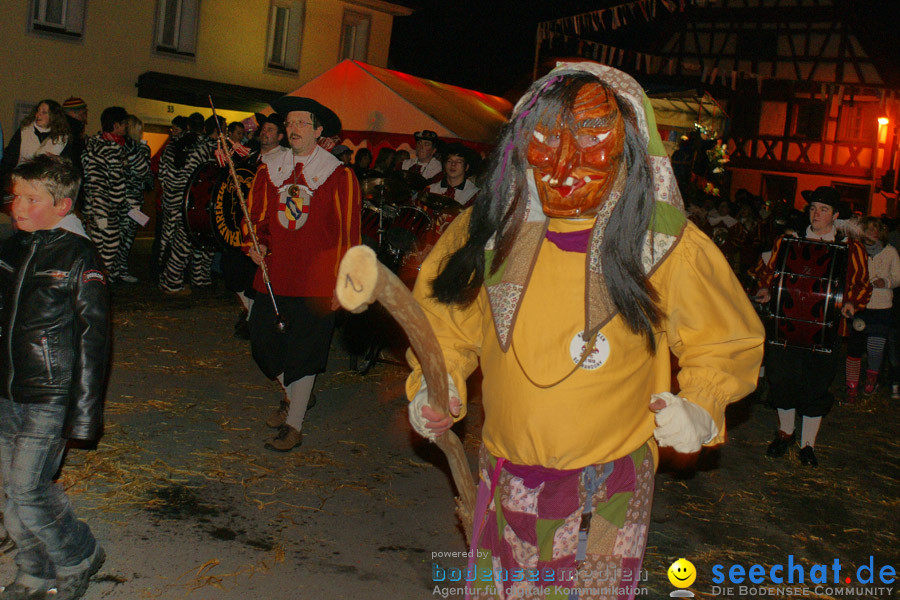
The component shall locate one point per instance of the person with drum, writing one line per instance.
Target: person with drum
(424, 163)
(455, 184)
(182, 255)
(306, 210)
(800, 377)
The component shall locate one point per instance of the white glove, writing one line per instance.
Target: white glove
(421, 399)
(682, 424)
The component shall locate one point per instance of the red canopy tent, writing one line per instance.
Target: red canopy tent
(379, 107)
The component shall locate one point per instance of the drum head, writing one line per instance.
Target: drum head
(807, 295)
(224, 208)
(194, 207)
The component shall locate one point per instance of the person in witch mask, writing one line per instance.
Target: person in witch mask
(569, 281)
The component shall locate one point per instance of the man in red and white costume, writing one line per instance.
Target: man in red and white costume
(305, 206)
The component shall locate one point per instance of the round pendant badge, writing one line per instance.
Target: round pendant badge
(598, 356)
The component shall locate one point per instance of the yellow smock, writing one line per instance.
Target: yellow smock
(594, 416)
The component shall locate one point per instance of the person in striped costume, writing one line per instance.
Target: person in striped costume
(138, 180)
(107, 170)
(178, 253)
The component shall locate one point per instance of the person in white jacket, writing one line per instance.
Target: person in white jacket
(871, 330)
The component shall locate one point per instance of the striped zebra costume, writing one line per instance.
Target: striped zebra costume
(175, 247)
(137, 181)
(106, 172)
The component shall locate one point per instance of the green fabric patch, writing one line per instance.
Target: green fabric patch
(638, 456)
(667, 219)
(546, 533)
(483, 564)
(655, 147)
(615, 509)
(488, 262)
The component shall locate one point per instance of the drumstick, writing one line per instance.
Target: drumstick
(280, 324)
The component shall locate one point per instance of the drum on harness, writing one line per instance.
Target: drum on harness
(211, 210)
(807, 294)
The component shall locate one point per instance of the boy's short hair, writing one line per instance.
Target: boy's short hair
(112, 115)
(195, 122)
(56, 173)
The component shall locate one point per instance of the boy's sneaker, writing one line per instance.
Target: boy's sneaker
(72, 587)
(26, 587)
(17, 591)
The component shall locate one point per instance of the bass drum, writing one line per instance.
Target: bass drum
(212, 211)
(807, 295)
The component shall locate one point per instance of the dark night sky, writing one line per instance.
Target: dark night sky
(488, 45)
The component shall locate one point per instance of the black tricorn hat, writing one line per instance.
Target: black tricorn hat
(825, 194)
(331, 124)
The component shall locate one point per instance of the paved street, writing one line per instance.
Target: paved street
(189, 505)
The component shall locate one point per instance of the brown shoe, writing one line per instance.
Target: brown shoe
(287, 439)
(277, 418)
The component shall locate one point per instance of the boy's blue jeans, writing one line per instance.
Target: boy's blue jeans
(38, 515)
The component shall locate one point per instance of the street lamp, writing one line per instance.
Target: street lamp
(887, 180)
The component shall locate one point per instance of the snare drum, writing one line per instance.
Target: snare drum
(211, 211)
(807, 294)
(195, 208)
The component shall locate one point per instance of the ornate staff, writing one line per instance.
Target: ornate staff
(361, 281)
(280, 324)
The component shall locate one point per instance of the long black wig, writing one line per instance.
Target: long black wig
(494, 215)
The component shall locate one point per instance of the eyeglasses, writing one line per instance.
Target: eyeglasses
(298, 123)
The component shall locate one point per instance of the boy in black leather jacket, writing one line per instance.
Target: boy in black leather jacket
(54, 330)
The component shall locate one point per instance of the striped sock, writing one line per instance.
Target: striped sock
(852, 371)
(875, 348)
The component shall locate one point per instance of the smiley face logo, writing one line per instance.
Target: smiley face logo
(682, 573)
